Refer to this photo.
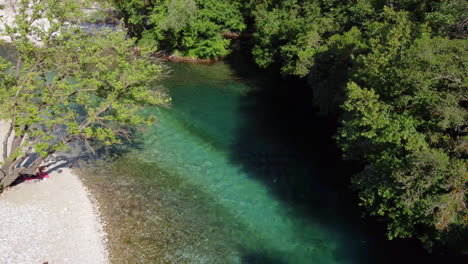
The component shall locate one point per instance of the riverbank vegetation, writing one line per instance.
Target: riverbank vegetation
(394, 72)
(65, 84)
(184, 27)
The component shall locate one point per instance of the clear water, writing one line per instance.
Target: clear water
(221, 179)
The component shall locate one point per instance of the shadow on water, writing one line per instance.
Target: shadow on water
(285, 145)
(256, 258)
(282, 144)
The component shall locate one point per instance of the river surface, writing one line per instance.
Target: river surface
(237, 170)
(226, 176)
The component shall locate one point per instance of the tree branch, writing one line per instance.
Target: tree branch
(18, 139)
(5, 141)
(87, 122)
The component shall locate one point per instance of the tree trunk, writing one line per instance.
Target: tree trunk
(13, 170)
(5, 141)
(18, 139)
(10, 178)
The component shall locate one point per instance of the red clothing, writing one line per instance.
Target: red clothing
(39, 176)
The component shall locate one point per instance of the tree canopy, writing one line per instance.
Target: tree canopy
(66, 84)
(192, 28)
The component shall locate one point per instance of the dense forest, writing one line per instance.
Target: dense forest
(392, 71)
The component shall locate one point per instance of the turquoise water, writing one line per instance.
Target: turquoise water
(221, 179)
(238, 170)
(194, 139)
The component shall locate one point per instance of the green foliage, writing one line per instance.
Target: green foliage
(180, 14)
(287, 33)
(410, 128)
(73, 85)
(191, 27)
(408, 181)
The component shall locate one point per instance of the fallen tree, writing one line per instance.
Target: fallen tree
(66, 85)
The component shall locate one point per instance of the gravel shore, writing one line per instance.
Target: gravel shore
(53, 220)
(50, 221)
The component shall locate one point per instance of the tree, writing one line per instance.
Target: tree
(68, 85)
(409, 126)
(193, 28)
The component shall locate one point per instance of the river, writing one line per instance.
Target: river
(238, 170)
(233, 172)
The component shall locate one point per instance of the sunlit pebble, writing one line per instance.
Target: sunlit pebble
(17, 223)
